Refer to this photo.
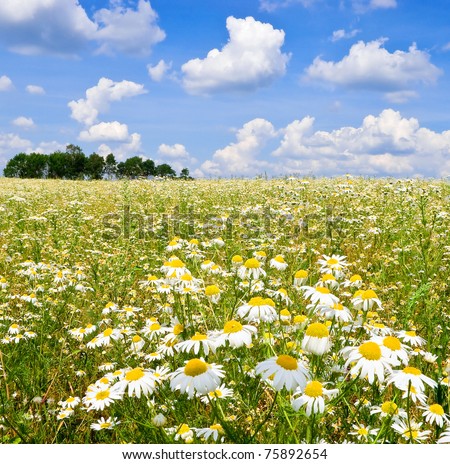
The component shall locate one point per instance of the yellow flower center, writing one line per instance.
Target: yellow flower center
(338, 307)
(102, 395)
(215, 394)
(217, 427)
(258, 301)
(363, 431)
(287, 362)
(279, 259)
(437, 409)
(285, 312)
(195, 367)
(135, 374)
(332, 261)
(368, 295)
(136, 339)
(327, 277)
(105, 425)
(411, 370)
(107, 332)
(186, 277)
(389, 407)
(184, 428)
(300, 318)
(301, 274)
(212, 290)
(232, 327)
(355, 278)
(317, 330)
(237, 259)
(314, 389)
(178, 328)
(252, 263)
(393, 343)
(198, 336)
(370, 351)
(323, 290)
(411, 333)
(155, 327)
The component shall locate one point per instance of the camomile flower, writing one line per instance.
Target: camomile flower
(184, 432)
(334, 264)
(70, 402)
(137, 381)
(110, 306)
(278, 263)
(388, 409)
(213, 293)
(312, 397)
(329, 281)
(319, 295)
(236, 334)
(410, 336)
(100, 396)
(215, 431)
(365, 300)
(153, 329)
(220, 392)
(415, 395)
(410, 375)
(65, 413)
(337, 312)
(444, 437)
(105, 338)
(395, 350)
(196, 377)
(14, 329)
(137, 343)
(260, 255)
(251, 269)
(174, 268)
(368, 360)
(196, 343)
(300, 278)
(237, 260)
(174, 245)
(363, 432)
(105, 424)
(434, 413)
(317, 339)
(354, 281)
(411, 431)
(283, 371)
(258, 309)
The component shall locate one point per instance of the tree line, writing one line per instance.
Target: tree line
(74, 164)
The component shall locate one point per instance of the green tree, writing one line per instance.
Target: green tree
(110, 166)
(133, 167)
(36, 166)
(149, 168)
(184, 174)
(57, 165)
(76, 162)
(165, 170)
(95, 166)
(17, 166)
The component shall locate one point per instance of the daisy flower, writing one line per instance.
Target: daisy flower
(219, 393)
(434, 413)
(184, 432)
(444, 437)
(236, 334)
(137, 381)
(329, 281)
(213, 293)
(354, 281)
(410, 336)
(362, 432)
(196, 377)
(415, 395)
(153, 329)
(395, 350)
(103, 423)
(258, 309)
(371, 361)
(197, 342)
(100, 396)
(365, 300)
(412, 431)
(283, 371)
(316, 339)
(319, 295)
(313, 397)
(70, 402)
(215, 431)
(278, 263)
(410, 375)
(337, 311)
(388, 409)
(333, 264)
(300, 278)
(251, 269)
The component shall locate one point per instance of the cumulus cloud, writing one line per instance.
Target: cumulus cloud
(105, 132)
(62, 27)
(11, 144)
(22, 121)
(176, 155)
(158, 72)
(122, 150)
(371, 66)
(272, 5)
(241, 157)
(129, 31)
(342, 34)
(5, 84)
(99, 97)
(35, 89)
(252, 58)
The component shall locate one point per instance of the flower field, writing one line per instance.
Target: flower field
(225, 311)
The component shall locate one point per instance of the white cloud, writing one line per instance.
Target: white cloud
(272, 5)
(99, 97)
(11, 144)
(35, 89)
(252, 58)
(106, 132)
(240, 157)
(63, 27)
(176, 155)
(342, 34)
(5, 84)
(402, 96)
(364, 6)
(371, 66)
(124, 150)
(158, 72)
(128, 31)
(23, 122)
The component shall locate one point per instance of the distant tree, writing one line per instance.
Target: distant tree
(95, 166)
(76, 162)
(133, 167)
(57, 165)
(36, 166)
(184, 174)
(165, 170)
(149, 168)
(110, 166)
(17, 166)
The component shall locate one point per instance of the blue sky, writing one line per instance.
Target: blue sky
(235, 88)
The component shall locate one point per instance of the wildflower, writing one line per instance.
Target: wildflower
(414, 395)
(185, 433)
(329, 281)
(215, 431)
(153, 329)
(137, 381)
(236, 334)
(103, 423)
(363, 432)
(258, 309)
(334, 264)
(337, 311)
(312, 397)
(371, 361)
(65, 413)
(444, 437)
(196, 377)
(410, 336)
(300, 278)
(434, 413)
(388, 408)
(219, 393)
(197, 342)
(100, 396)
(365, 300)
(410, 375)
(70, 402)
(316, 339)
(278, 263)
(213, 293)
(410, 431)
(354, 281)
(251, 269)
(395, 350)
(237, 260)
(137, 343)
(159, 420)
(319, 295)
(283, 371)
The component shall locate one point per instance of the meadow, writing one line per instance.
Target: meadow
(296, 310)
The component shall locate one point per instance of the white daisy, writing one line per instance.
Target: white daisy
(313, 397)
(258, 309)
